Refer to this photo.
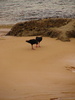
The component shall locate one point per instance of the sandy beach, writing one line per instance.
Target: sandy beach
(46, 73)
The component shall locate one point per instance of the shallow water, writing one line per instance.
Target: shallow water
(13, 11)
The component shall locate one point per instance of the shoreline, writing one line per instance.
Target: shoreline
(4, 29)
(6, 26)
(10, 25)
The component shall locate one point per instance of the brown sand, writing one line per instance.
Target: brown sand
(39, 74)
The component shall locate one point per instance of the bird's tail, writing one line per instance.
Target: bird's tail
(26, 41)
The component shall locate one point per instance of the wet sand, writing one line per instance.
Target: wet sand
(39, 74)
(3, 31)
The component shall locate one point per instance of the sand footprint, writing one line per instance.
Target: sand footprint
(70, 68)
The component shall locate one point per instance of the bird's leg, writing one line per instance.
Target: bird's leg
(39, 44)
(36, 45)
(32, 47)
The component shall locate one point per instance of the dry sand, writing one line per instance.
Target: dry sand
(39, 74)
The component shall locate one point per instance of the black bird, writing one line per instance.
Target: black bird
(32, 41)
(39, 39)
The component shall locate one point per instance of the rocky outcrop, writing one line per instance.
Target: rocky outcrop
(60, 28)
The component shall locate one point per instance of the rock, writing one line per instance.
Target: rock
(61, 28)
